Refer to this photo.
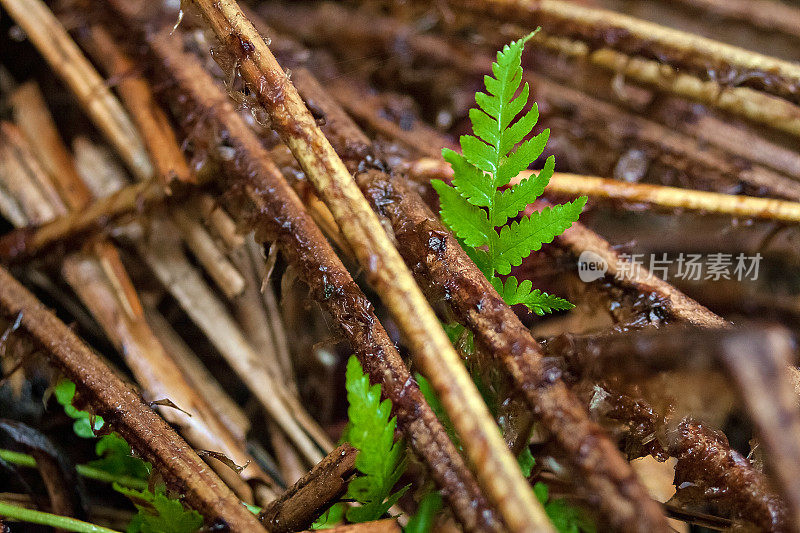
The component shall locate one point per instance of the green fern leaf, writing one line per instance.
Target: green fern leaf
(537, 301)
(468, 180)
(467, 221)
(521, 158)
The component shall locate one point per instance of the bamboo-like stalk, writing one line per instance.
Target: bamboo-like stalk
(66, 60)
(580, 31)
(656, 195)
(228, 412)
(148, 117)
(23, 176)
(100, 280)
(10, 208)
(226, 276)
(120, 314)
(125, 411)
(99, 168)
(218, 220)
(165, 153)
(585, 23)
(349, 34)
(496, 469)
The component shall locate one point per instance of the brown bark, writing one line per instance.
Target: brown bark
(312, 494)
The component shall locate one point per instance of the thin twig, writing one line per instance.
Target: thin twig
(154, 369)
(226, 276)
(307, 499)
(769, 15)
(625, 44)
(30, 241)
(165, 153)
(34, 120)
(163, 254)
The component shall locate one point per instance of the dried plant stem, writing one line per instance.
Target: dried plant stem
(755, 359)
(606, 127)
(656, 195)
(218, 220)
(495, 467)
(228, 411)
(279, 216)
(769, 393)
(34, 120)
(216, 264)
(252, 315)
(162, 253)
(122, 407)
(680, 49)
(673, 197)
(100, 280)
(165, 153)
(10, 208)
(150, 120)
(23, 176)
(66, 60)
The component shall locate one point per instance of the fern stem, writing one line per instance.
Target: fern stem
(31, 516)
(22, 459)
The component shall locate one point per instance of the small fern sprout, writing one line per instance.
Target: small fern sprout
(478, 205)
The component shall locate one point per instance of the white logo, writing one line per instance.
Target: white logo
(591, 266)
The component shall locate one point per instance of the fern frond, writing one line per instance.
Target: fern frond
(478, 203)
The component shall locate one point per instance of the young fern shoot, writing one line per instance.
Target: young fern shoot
(478, 205)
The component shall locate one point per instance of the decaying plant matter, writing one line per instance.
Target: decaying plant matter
(246, 204)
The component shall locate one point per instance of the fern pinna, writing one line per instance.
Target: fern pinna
(478, 205)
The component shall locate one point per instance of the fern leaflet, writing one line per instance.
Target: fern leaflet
(381, 460)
